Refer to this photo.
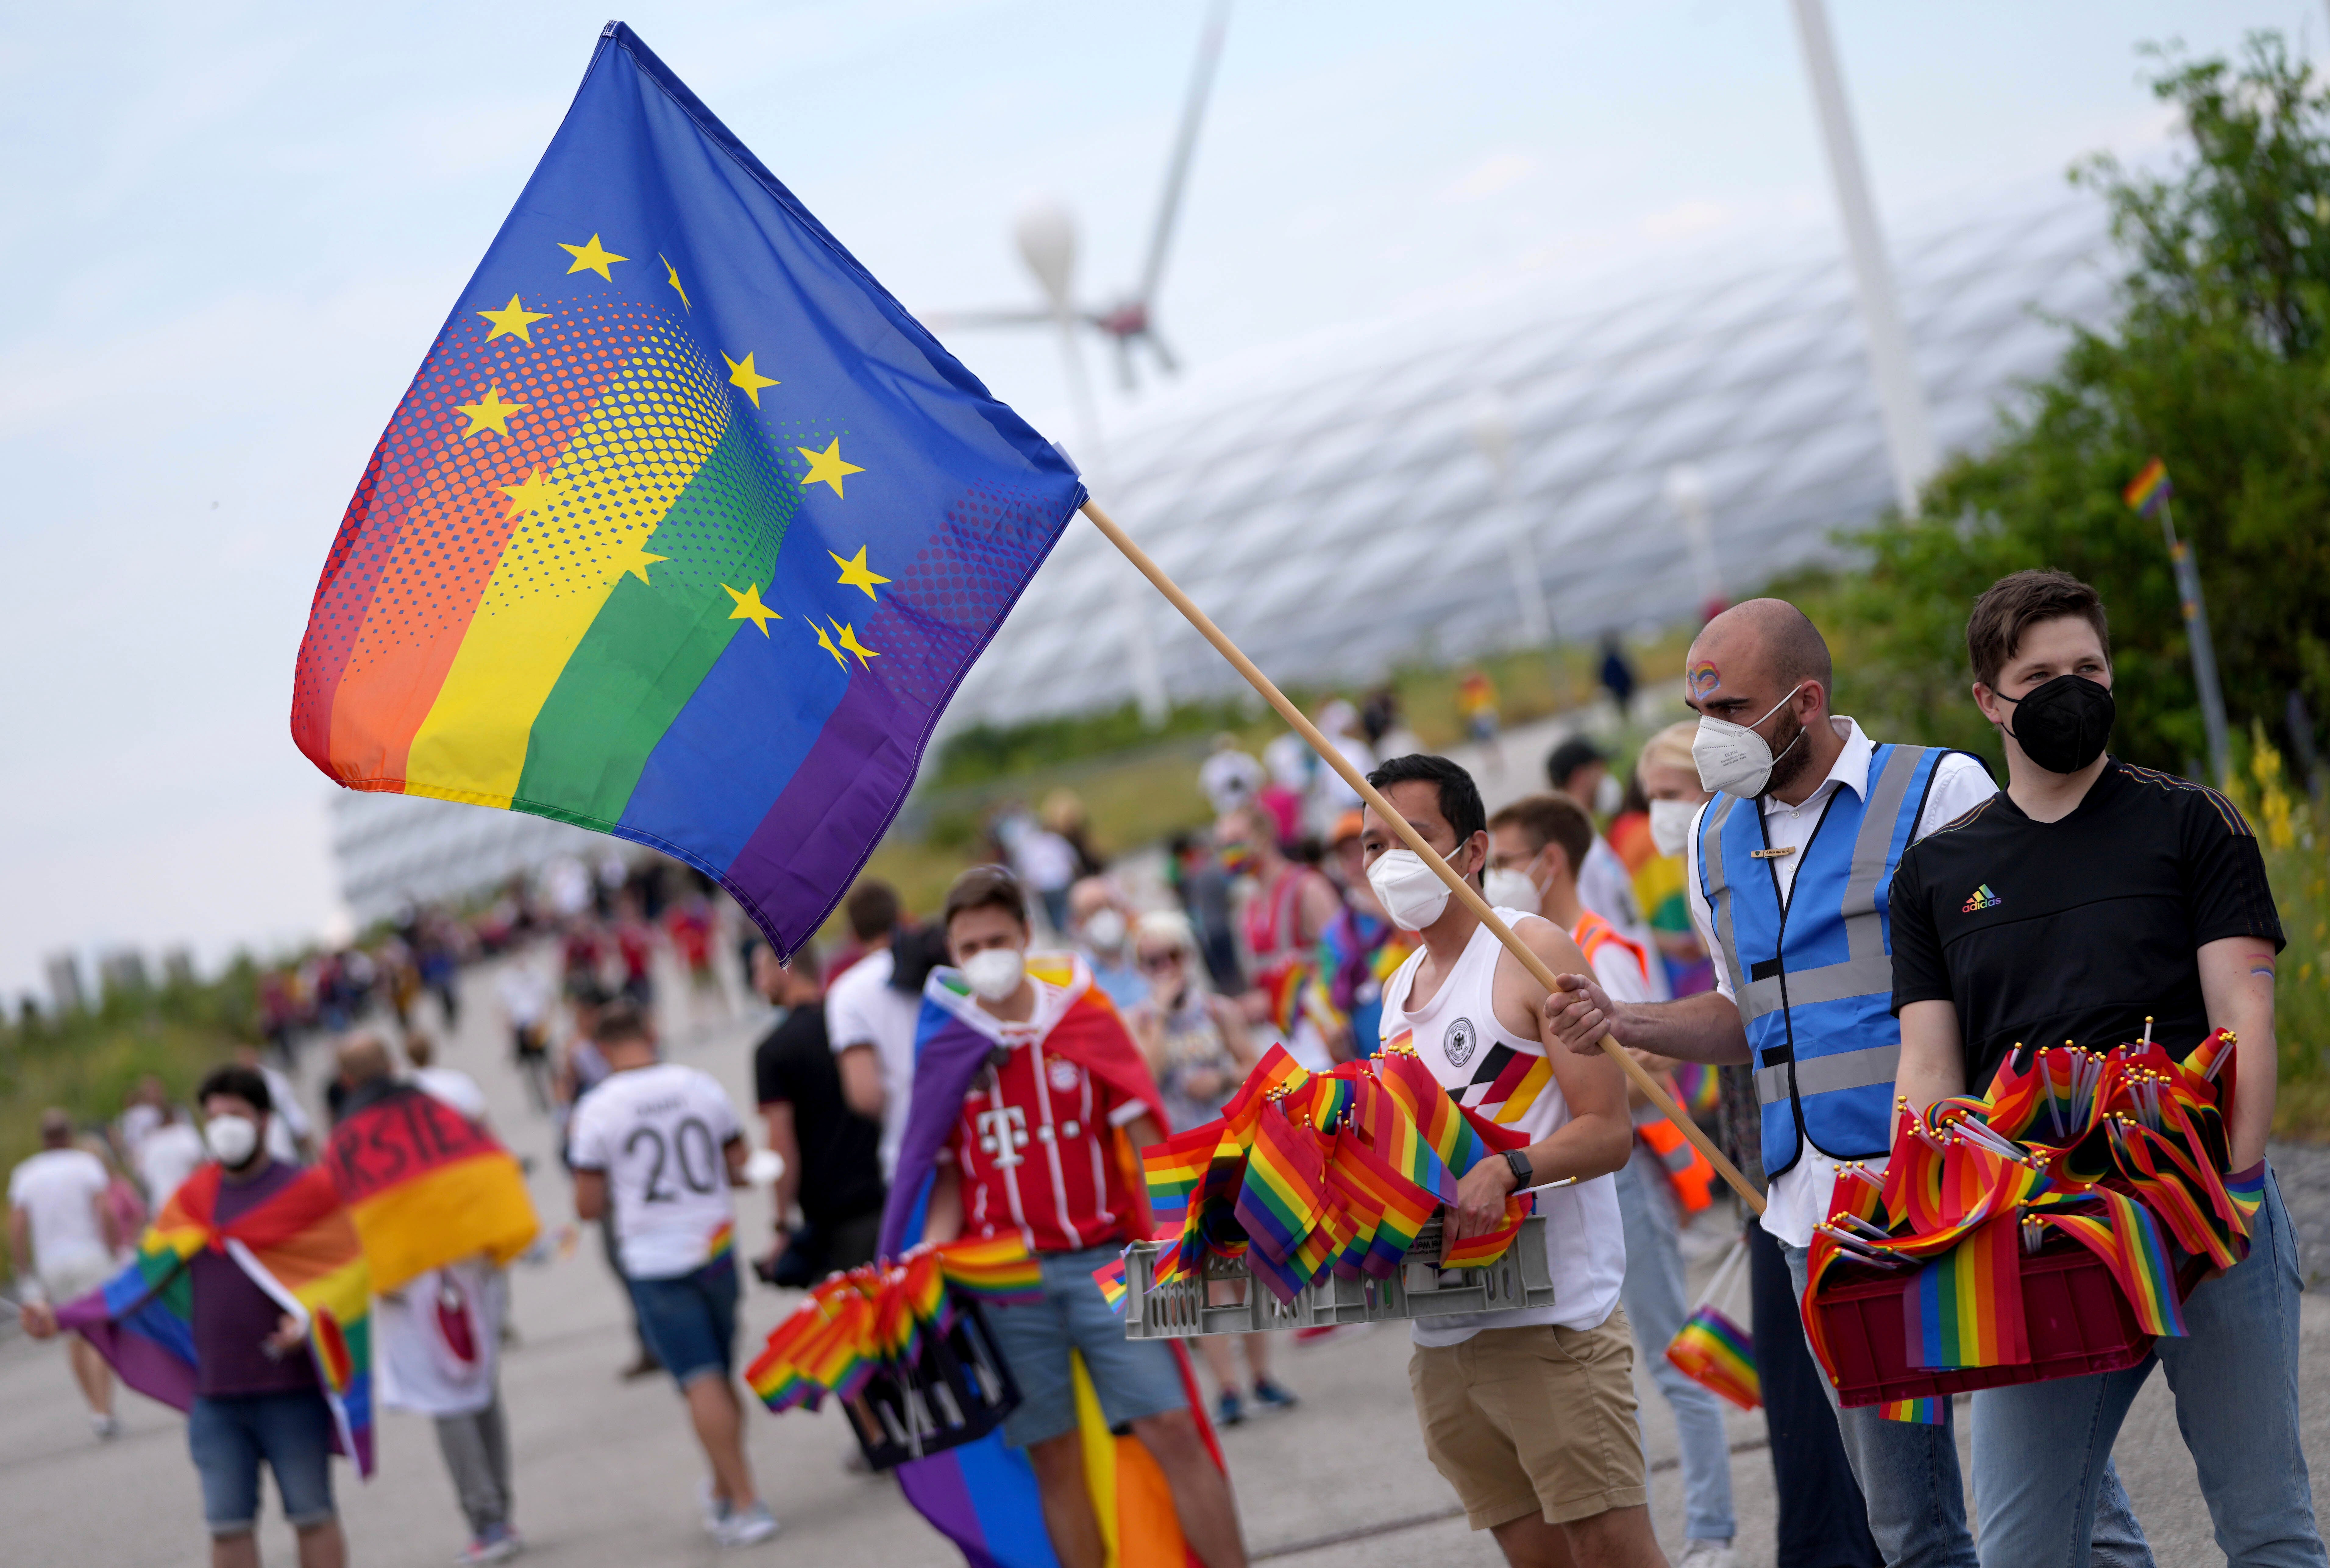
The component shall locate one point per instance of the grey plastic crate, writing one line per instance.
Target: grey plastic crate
(1180, 1308)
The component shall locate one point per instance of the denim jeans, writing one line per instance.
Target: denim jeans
(1656, 1305)
(232, 1435)
(2038, 1448)
(1916, 1500)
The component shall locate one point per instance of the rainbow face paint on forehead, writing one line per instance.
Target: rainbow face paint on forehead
(1702, 678)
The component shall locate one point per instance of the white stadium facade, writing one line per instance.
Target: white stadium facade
(1330, 504)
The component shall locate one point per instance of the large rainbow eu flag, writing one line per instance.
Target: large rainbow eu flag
(685, 531)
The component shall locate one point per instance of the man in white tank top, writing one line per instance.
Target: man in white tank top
(1528, 1413)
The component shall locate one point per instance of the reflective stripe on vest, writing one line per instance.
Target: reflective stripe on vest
(1687, 1171)
(1815, 979)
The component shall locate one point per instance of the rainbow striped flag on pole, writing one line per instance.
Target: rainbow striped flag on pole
(685, 531)
(2149, 490)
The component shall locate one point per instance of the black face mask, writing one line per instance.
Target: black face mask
(2063, 723)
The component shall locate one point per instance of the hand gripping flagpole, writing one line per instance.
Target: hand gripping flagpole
(1334, 758)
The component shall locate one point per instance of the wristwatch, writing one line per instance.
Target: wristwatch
(1523, 1175)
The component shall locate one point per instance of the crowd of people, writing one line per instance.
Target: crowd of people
(1105, 1008)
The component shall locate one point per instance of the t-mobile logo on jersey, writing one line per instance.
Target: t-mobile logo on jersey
(1003, 1133)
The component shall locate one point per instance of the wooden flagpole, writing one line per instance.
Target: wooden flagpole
(1472, 900)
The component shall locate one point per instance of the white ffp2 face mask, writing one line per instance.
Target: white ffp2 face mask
(1671, 825)
(1410, 892)
(1735, 759)
(1609, 795)
(1105, 931)
(995, 973)
(1507, 888)
(231, 1140)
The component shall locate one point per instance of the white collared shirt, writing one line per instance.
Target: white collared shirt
(1799, 1198)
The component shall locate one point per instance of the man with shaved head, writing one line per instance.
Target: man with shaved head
(1787, 871)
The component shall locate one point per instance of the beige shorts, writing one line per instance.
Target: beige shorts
(1533, 1420)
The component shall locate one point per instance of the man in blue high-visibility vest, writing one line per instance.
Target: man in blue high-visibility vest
(1788, 868)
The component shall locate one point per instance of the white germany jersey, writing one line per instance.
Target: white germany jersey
(657, 1133)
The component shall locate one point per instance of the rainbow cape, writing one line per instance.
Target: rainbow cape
(981, 1495)
(685, 530)
(426, 1186)
(299, 1246)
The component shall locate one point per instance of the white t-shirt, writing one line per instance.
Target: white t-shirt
(864, 1008)
(1605, 886)
(288, 1123)
(1457, 1035)
(167, 1157)
(455, 1087)
(57, 1190)
(1799, 1197)
(657, 1133)
(438, 1338)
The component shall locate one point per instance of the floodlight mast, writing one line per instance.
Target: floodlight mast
(1047, 234)
(1493, 433)
(1900, 401)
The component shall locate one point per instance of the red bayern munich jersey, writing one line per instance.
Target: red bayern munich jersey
(1033, 1148)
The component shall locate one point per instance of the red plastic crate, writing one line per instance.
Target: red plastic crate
(2077, 1320)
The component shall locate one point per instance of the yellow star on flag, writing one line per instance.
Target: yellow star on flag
(749, 608)
(531, 495)
(850, 642)
(742, 374)
(639, 561)
(591, 258)
(671, 276)
(489, 412)
(514, 320)
(854, 573)
(827, 644)
(828, 466)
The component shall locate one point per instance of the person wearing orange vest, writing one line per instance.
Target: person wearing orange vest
(1536, 846)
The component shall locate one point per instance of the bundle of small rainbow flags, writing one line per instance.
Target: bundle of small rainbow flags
(2104, 1148)
(1305, 1172)
(874, 1316)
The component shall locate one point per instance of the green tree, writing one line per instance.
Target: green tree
(2218, 362)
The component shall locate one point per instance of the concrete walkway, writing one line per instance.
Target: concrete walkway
(606, 1471)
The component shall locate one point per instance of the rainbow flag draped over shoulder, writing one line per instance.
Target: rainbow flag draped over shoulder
(299, 1246)
(426, 1186)
(981, 1495)
(685, 530)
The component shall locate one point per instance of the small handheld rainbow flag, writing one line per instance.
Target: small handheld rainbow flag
(1109, 1278)
(1719, 1354)
(1714, 1351)
(2149, 490)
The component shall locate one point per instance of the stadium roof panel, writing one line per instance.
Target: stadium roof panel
(1276, 490)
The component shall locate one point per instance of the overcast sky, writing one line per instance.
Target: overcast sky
(233, 230)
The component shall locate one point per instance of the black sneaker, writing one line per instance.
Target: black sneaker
(1229, 1410)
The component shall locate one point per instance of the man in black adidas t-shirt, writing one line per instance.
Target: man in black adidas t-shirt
(2085, 897)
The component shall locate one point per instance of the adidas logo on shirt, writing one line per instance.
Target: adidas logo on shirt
(1983, 899)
